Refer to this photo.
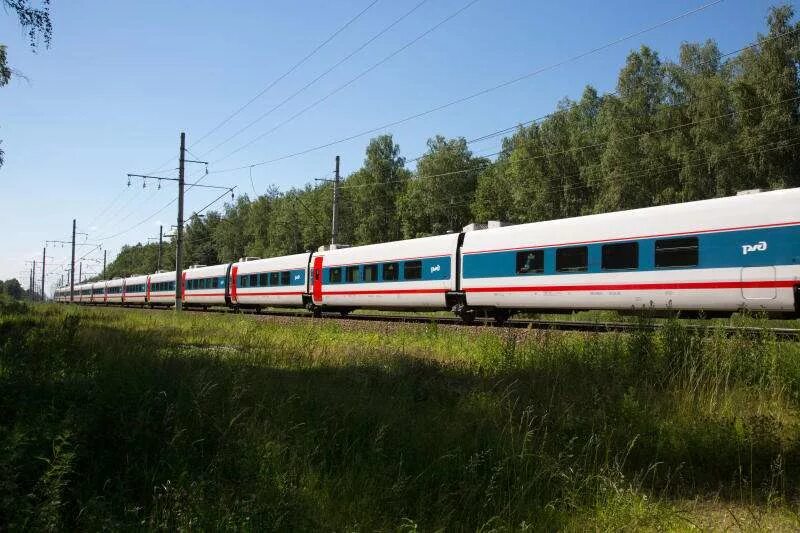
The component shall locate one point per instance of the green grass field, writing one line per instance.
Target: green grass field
(123, 419)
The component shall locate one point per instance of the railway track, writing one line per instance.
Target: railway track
(558, 325)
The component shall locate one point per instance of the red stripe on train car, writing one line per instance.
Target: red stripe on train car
(240, 293)
(687, 285)
(385, 291)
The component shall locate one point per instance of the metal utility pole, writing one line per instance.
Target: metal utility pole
(160, 244)
(179, 232)
(179, 243)
(104, 263)
(43, 268)
(72, 268)
(334, 217)
(30, 284)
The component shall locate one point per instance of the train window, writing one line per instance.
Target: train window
(412, 270)
(390, 271)
(530, 262)
(254, 280)
(351, 274)
(215, 283)
(286, 277)
(336, 275)
(221, 282)
(621, 256)
(263, 279)
(370, 273)
(243, 281)
(274, 279)
(572, 259)
(680, 252)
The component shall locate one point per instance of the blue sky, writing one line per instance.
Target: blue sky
(122, 79)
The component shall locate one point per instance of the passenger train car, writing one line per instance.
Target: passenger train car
(715, 256)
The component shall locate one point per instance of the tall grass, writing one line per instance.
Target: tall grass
(120, 419)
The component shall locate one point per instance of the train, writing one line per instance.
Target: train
(706, 257)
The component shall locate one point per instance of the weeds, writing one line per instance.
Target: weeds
(115, 419)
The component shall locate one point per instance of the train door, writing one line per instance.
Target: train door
(758, 283)
(234, 298)
(316, 293)
(183, 287)
(147, 293)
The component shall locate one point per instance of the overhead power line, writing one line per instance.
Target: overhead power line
(587, 146)
(355, 79)
(464, 98)
(282, 76)
(510, 129)
(315, 80)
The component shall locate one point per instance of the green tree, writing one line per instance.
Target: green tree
(632, 160)
(438, 197)
(767, 86)
(370, 195)
(36, 21)
(13, 289)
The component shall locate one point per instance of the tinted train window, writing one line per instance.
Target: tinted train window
(351, 274)
(412, 270)
(215, 283)
(244, 281)
(286, 278)
(263, 279)
(336, 275)
(681, 252)
(572, 259)
(530, 262)
(390, 271)
(621, 256)
(274, 279)
(370, 273)
(254, 280)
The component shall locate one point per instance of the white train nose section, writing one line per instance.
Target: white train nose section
(756, 283)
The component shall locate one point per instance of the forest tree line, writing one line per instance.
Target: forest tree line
(705, 125)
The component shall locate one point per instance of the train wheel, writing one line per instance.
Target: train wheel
(501, 316)
(468, 316)
(316, 312)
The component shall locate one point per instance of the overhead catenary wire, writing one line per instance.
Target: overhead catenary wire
(471, 96)
(587, 146)
(510, 129)
(147, 219)
(269, 86)
(356, 78)
(285, 74)
(315, 80)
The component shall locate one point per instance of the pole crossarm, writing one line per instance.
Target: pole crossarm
(147, 177)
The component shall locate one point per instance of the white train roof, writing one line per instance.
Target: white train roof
(206, 271)
(438, 245)
(162, 276)
(286, 262)
(133, 280)
(733, 212)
